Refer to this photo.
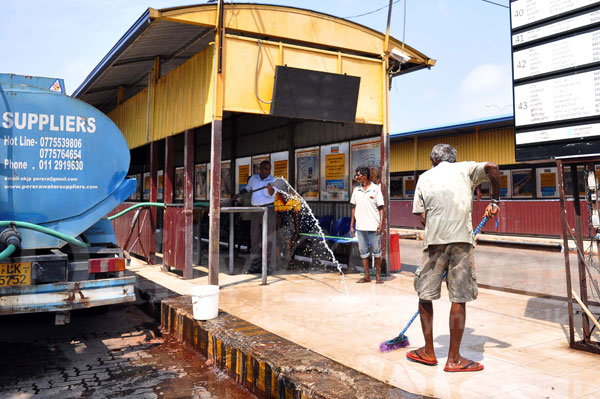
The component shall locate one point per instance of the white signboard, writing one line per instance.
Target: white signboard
(525, 12)
(571, 52)
(561, 133)
(556, 28)
(569, 97)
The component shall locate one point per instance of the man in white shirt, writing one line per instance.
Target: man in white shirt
(444, 201)
(263, 194)
(367, 211)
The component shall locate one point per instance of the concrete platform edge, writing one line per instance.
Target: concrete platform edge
(268, 365)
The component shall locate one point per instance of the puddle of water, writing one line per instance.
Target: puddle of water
(192, 377)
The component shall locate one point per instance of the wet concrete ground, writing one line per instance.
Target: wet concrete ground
(116, 354)
(521, 339)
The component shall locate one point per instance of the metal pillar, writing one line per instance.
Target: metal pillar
(385, 147)
(215, 200)
(168, 194)
(579, 244)
(188, 202)
(153, 197)
(216, 143)
(565, 229)
(586, 343)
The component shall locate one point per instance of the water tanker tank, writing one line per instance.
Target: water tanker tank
(62, 162)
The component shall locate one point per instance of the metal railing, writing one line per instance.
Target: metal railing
(265, 243)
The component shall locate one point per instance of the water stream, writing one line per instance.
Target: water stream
(310, 224)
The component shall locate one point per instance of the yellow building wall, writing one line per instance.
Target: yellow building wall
(184, 97)
(487, 146)
(497, 146)
(182, 100)
(132, 118)
(240, 68)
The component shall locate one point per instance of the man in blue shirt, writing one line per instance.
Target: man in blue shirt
(263, 194)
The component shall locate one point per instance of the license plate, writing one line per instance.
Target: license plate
(15, 274)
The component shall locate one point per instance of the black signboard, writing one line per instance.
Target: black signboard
(306, 94)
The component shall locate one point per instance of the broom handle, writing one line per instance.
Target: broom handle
(483, 222)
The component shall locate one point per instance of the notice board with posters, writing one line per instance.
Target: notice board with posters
(307, 173)
(200, 182)
(335, 181)
(280, 167)
(242, 173)
(366, 153)
(556, 78)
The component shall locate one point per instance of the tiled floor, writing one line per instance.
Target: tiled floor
(521, 340)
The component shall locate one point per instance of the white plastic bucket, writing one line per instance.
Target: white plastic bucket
(205, 300)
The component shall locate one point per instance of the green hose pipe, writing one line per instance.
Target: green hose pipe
(8, 251)
(45, 230)
(141, 204)
(324, 236)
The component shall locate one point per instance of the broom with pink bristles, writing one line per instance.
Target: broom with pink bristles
(401, 340)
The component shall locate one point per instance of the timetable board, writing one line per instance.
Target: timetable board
(556, 78)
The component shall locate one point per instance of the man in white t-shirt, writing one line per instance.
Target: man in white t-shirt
(367, 212)
(444, 201)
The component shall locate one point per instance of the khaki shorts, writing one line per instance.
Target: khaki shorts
(457, 259)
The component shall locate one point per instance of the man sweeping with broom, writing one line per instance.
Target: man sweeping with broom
(444, 200)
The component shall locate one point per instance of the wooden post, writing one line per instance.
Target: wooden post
(188, 202)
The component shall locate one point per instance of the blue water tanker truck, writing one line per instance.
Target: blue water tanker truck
(62, 169)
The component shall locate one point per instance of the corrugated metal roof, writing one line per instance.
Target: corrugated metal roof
(464, 127)
(130, 61)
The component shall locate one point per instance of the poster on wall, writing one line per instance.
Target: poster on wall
(225, 179)
(257, 159)
(138, 187)
(146, 193)
(396, 187)
(505, 184)
(334, 172)
(132, 196)
(307, 173)
(568, 182)
(242, 173)
(366, 153)
(200, 182)
(178, 186)
(522, 183)
(160, 186)
(279, 164)
(409, 187)
(484, 190)
(547, 182)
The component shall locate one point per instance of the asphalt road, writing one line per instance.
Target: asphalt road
(529, 271)
(119, 353)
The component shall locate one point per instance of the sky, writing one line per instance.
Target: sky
(470, 39)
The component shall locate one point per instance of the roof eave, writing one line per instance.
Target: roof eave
(130, 36)
(504, 120)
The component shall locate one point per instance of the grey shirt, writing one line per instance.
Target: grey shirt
(445, 194)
